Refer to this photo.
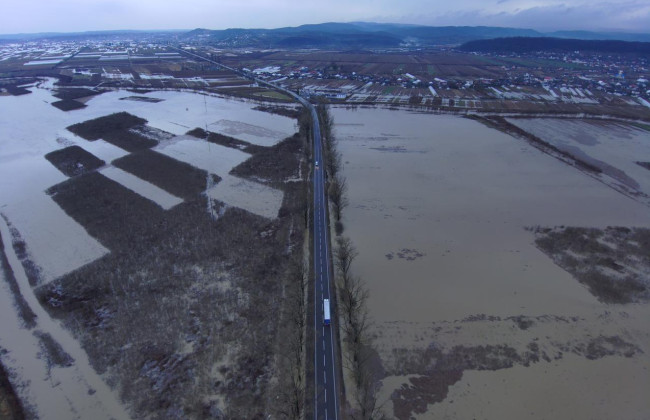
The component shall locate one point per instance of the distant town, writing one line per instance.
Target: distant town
(441, 77)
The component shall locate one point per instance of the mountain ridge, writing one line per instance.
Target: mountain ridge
(521, 45)
(338, 35)
(345, 35)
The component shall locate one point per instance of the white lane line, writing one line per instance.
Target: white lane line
(323, 359)
(327, 279)
(315, 326)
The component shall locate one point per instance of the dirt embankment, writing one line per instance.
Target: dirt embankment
(501, 124)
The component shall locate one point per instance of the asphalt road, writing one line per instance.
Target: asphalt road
(325, 388)
(325, 398)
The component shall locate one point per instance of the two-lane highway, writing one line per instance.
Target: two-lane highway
(325, 388)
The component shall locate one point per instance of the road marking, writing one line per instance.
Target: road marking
(323, 359)
(333, 367)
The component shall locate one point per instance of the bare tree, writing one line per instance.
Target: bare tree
(305, 130)
(353, 300)
(294, 396)
(344, 256)
(326, 121)
(337, 189)
(330, 144)
(360, 360)
(365, 394)
(353, 296)
(333, 161)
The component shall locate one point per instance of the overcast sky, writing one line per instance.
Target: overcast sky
(25, 16)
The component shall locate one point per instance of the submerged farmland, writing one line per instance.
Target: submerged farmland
(162, 253)
(503, 279)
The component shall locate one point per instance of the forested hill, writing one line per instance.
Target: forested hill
(528, 44)
(377, 35)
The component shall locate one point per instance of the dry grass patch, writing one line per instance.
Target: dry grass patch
(129, 140)
(276, 163)
(76, 93)
(176, 177)
(68, 105)
(98, 127)
(74, 160)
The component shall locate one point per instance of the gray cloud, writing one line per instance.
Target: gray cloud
(624, 16)
(79, 15)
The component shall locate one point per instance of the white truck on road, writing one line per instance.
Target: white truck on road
(326, 312)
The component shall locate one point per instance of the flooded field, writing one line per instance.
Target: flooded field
(53, 373)
(57, 243)
(614, 148)
(213, 158)
(54, 370)
(252, 196)
(439, 207)
(219, 160)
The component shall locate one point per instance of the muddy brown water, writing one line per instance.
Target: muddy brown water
(438, 210)
(613, 147)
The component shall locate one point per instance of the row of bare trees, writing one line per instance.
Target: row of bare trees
(353, 297)
(295, 342)
(305, 130)
(295, 337)
(337, 184)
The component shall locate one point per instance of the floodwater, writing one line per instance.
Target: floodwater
(438, 210)
(573, 388)
(254, 197)
(30, 128)
(57, 244)
(48, 390)
(614, 148)
(213, 158)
